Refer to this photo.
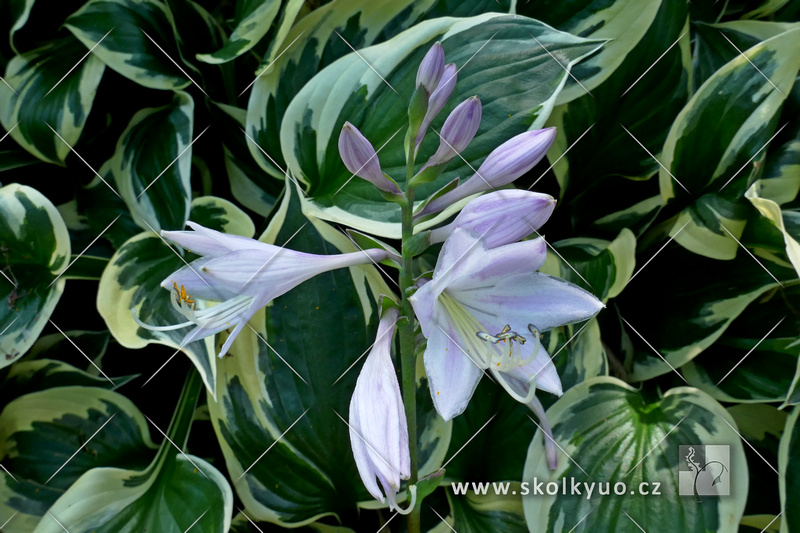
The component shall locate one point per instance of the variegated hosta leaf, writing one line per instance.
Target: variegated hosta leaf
(243, 524)
(518, 96)
(43, 98)
(173, 494)
(476, 513)
(152, 164)
(788, 221)
(603, 267)
(122, 31)
(34, 249)
(133, 277)
(709, 299)
(319, 330)
(713, 50)
(789, 469)
(726, 123)
(645, 435)
(624, 22)
(311, 45)
(40, 431)
(597, 152)
(16, 11)
(252, 20)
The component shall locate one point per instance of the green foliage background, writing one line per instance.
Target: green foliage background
(676, 169)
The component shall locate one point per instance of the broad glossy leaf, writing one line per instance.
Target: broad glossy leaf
(319, 330)
(252, 21)
(623, 22)
(722, 128)
(124, 29)
(152, 164)
(133, 278)
(40, 431)
(610, 430)
(44, 97)
(475, 513)
(17, 12)
(176, 492)
(34, 249)
(517, 84)
(789, 476)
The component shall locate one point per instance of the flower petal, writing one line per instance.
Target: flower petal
(533, 298)
(452, 375)
(541, 368)
(209, 242)
(488, 268)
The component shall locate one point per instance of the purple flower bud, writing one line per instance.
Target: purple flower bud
(361, 159)
(506, 163)
(458, 130)
(501, 217)
(438, 99)
(431, 68)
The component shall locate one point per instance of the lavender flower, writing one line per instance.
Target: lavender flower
(502, 217)
(243, 275)
(437, 101)
(458, 131)
(361, 159)
(479, 312)
(378, 427)
(504, 164)
(431, 68)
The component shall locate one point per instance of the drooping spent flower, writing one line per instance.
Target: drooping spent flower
(378, 426)
(503, 165)
(501, 217)
(242, 274)
(360, 158)
(431, 68)
(483, 310)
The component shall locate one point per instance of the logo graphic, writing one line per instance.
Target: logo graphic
(704, 470)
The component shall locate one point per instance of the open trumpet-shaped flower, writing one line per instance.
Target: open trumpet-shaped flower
(378, 427)
(243, 275)
(483, 311)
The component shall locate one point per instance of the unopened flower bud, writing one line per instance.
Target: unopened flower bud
(361, 159)
(431, 69)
